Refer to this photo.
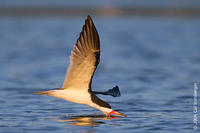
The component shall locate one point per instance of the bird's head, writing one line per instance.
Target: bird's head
(115, 113)
(108, 111)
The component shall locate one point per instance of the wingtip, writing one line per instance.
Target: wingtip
(89, 19)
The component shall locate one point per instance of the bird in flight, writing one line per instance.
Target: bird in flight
(84, 60)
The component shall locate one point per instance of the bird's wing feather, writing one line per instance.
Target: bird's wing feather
(84, 58)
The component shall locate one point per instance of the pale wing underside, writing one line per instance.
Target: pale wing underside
(84, 58)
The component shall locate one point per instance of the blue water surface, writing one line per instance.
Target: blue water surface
(153, 60)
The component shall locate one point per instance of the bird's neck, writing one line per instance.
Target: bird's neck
(99, 104)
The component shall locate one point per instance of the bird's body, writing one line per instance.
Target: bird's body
(84, 60)
(72, 95)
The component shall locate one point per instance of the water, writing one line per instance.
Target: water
(153, 60)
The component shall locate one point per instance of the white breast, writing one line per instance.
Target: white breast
(78, 96)
(73, 95)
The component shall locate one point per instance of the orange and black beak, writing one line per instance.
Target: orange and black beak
(115, 113)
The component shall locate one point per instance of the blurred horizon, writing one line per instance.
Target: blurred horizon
(62, 8)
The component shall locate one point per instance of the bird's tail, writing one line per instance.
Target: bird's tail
(42, 92)
(49, 92)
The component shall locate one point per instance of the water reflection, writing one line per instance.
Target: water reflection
(85, 120)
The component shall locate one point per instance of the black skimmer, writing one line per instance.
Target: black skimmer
(84, 60)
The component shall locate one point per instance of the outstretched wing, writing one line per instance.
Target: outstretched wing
(84, 58)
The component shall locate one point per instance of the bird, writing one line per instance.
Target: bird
(84, 60)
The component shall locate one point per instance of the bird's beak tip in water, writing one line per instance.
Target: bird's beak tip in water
(116, 113)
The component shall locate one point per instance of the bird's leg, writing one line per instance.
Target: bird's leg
(112, 92)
